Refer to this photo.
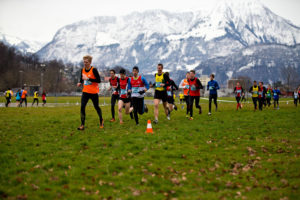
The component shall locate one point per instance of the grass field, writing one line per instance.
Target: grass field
(243, 155)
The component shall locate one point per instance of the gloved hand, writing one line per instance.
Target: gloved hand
(141, 92)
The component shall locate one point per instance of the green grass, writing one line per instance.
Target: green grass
(244, 154)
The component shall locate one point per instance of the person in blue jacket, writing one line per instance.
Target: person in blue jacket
(212, 86)
(276, 94)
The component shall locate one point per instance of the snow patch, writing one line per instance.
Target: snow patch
(249, 66)
(104, 39)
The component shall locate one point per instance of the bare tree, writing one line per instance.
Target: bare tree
(290, 77)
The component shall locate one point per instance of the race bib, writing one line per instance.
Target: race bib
(186, 86)
(123, 91)
(255, 92)
(211, 87)
(193, 88)
(157, 84)
(87, 82)
(135, 90)
(268, 95)
(260, 93)
(169, 93)
(275, 94)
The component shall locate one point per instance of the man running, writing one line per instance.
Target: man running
(137, 86)
(18, 97)
(44, 98)
(161, 80)
(261, 95)
(269, 95)
(276, 93)
(212, 86)
(238, 90)
(114, 87)
(296, 98)
(170, 95)
(124, 97)
(8, 95)
(24, 96)
(254, 90)
(35, 98)
(194, 93)
(181, 98)
(184, 85)
(90, 80)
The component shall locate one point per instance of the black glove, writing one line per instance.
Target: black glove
(141, 92)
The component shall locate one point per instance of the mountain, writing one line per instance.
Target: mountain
(181, 41)
(24, 46)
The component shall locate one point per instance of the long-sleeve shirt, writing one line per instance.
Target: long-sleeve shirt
(171, 87)
(213, 86)
(96, 74)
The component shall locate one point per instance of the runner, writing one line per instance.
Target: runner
(269, 95)
(8, 94)
(24, 96)
(170, 95)
(243, 97)
(254, 91)
(276, 93)
(114, 87)
(18, 97)
(296, 98)
(35, 98)
(261, 95)
(124, 97)
(184, 85)
(212, 86)
(161, 80)
(299, 94)
(90, 80)
(181, 98)
(137, 86)
(194, 91)
(44, 97)
(238, 90)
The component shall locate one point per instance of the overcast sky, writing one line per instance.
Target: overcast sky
(40, 19)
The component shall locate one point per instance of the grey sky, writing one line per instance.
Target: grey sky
(40, 19)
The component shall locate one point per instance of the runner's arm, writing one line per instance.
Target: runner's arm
(97, 77)
(217, 85)
(174, 84)
(145, 83)
(200, 84)
(80, 79)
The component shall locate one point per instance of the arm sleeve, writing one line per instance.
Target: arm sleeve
(207, 87)
(251, 88)
(167, 80)
(97, 77)
(173, 83)
(80, 79)
(129, 84)
(145, 82)
(217, 86)
(180, 85)
(235, 89)
(200, 84)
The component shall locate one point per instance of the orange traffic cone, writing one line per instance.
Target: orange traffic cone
(149, 127)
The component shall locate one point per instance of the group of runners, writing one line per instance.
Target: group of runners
(261, 95)
(21, 97)
(129, 92)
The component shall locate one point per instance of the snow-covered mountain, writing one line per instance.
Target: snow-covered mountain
(25, 46)
(181, 41)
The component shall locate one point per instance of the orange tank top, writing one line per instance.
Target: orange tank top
(185, 87)
(88, 86)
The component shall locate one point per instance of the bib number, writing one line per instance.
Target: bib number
(211, 87)
(193, 88)
(86, 82)
(135, 90)
(157, 84)
(169, 93)
(186, 87)
(123, 91)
